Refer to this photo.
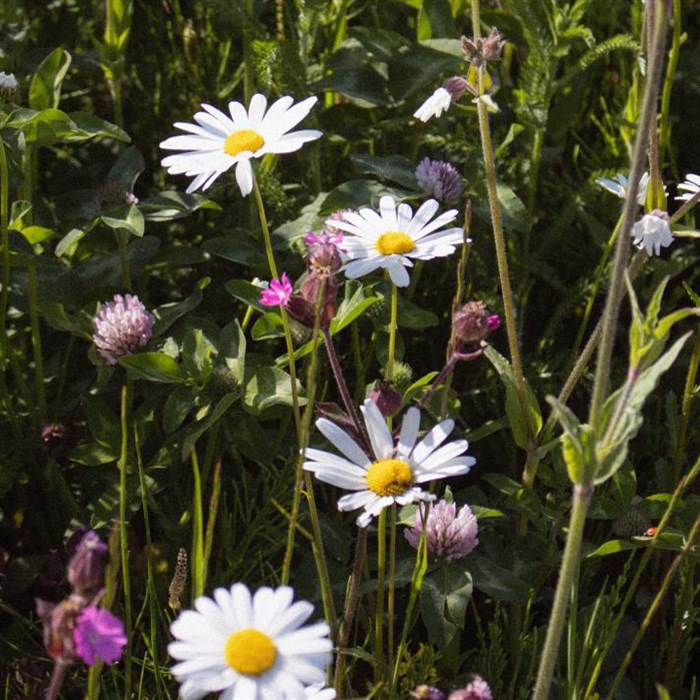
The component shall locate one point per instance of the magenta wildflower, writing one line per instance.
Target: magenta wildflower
(326, 237)
(439, 179)
(121, 327)
(278, 293)
(99, 635)
(478, 689)
(449, 535)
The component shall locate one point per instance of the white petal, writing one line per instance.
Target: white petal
(378, 431)
(340, 439)
(244, 177)
(256, 110)
(409, 432)
(399, 275)
(432, 441)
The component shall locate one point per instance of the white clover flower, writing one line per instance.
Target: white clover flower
(434, 106)
(619, 184)
(121, 327)
(216, 142)
(653, 232)
(249, 647)
(390, 238)
(690, 186)
(396, 471)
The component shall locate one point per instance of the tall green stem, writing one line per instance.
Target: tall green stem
(5, 242)
(379, 612)
(392, 332)
(123, 541)
(36, 342)
(569, 568)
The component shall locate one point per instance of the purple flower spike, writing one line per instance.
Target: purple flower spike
(448, 536)
(440, 180)
(99, 635)
(122, 327)
(278, 293)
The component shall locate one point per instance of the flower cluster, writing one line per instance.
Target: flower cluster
(251, 646)
(121, 327)
(440, 180)
(76, 629)
(478, 689)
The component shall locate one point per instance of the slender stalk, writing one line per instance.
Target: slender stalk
(197, 529)
(379, 612)
(391, 589)
(123, 535)
(570, 562)
(36, 342)
(285, 319)
(616, 288)
(655, 605)
(59, 673)
(349, 610)
(392, 331)
(4, 241)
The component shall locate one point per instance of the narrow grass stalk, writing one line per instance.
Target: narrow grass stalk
(123, 536)
(391, 588)
(197, 558)
(655, 605)
(212, 513)
(392, 332)
(285, 319)
(4, 241)
(36, 342)
(379, 612)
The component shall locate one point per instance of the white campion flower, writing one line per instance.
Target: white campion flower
(395, 472)
(249, 646)
(450, 91)
(690, 187)
(217, 142)
(620, 183)
(653, 232)
(391, 238)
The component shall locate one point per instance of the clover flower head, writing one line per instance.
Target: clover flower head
(219, 141)
(249, 646)
(278, 292)
(440, 180)
(394, 472)
(653, 232)
(99, 635)
(690, 187)
(427, 692)
(392, 238)
(121, 327)
(449, 535)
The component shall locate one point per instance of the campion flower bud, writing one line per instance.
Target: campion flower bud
(51, 433)
(448, 536)
(426, 692)
(58, 623)
(98, 636)
(440, 180)
(478, 689)
(121, 327)
(451, 90)
(85, 572)
(318, 288)
(653, 232)
(388, 400)
(472, 324)
(9, 87)
(480, 50)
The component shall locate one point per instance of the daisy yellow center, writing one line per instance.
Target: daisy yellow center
(250, 652)
(243, 140)
(389, 477)
(393, 242)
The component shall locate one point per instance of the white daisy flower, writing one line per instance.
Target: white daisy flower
(390, 238)
(653, 232)
(690, 186)
(434, 106)
(217, 142)
(396, 471)
(619, 184)
(249, 647)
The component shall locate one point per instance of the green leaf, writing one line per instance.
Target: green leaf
(177, 407)
(398, 169)
(269, 325)
(514, 212)
(200, 427)
(45, 88)
(518, 422)
(269, 386)
(168, 206)
(247, 292)
(354, 194)
(613, 547)
(153, 366)
(232, 347)
(91, 126)
(126, 217)
(435, 19)
(197, 353)
(128, 167)
(236, 250)
(167, 314)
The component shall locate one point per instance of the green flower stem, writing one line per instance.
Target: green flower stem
(685, 410)
(197, 559)
(123, 533)
(569, 570)
(285, 319)
(379, 612)
(391, 589)
(687, 206)
(349, 610)
(655, 605)
(392, 331)
(616, 286)
(672, 65)
(36, 342)
(5, 242)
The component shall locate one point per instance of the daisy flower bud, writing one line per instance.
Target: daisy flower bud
(653, 232)
(121, 327)
(449, 535)
(440, 180)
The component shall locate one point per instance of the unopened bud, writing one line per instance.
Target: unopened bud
(480, 50)
(9, 87)
(472, 324)
(51, 433)
(388, 400)
(456, 86)
(58, 623)
(85, 573)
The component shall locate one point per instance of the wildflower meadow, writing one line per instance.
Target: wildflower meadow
(349, 349)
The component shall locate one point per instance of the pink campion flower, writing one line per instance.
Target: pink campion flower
(478, 689)
(449, 535)
(325, 237)
(99, 635)
(278, 293)
(121, 327)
